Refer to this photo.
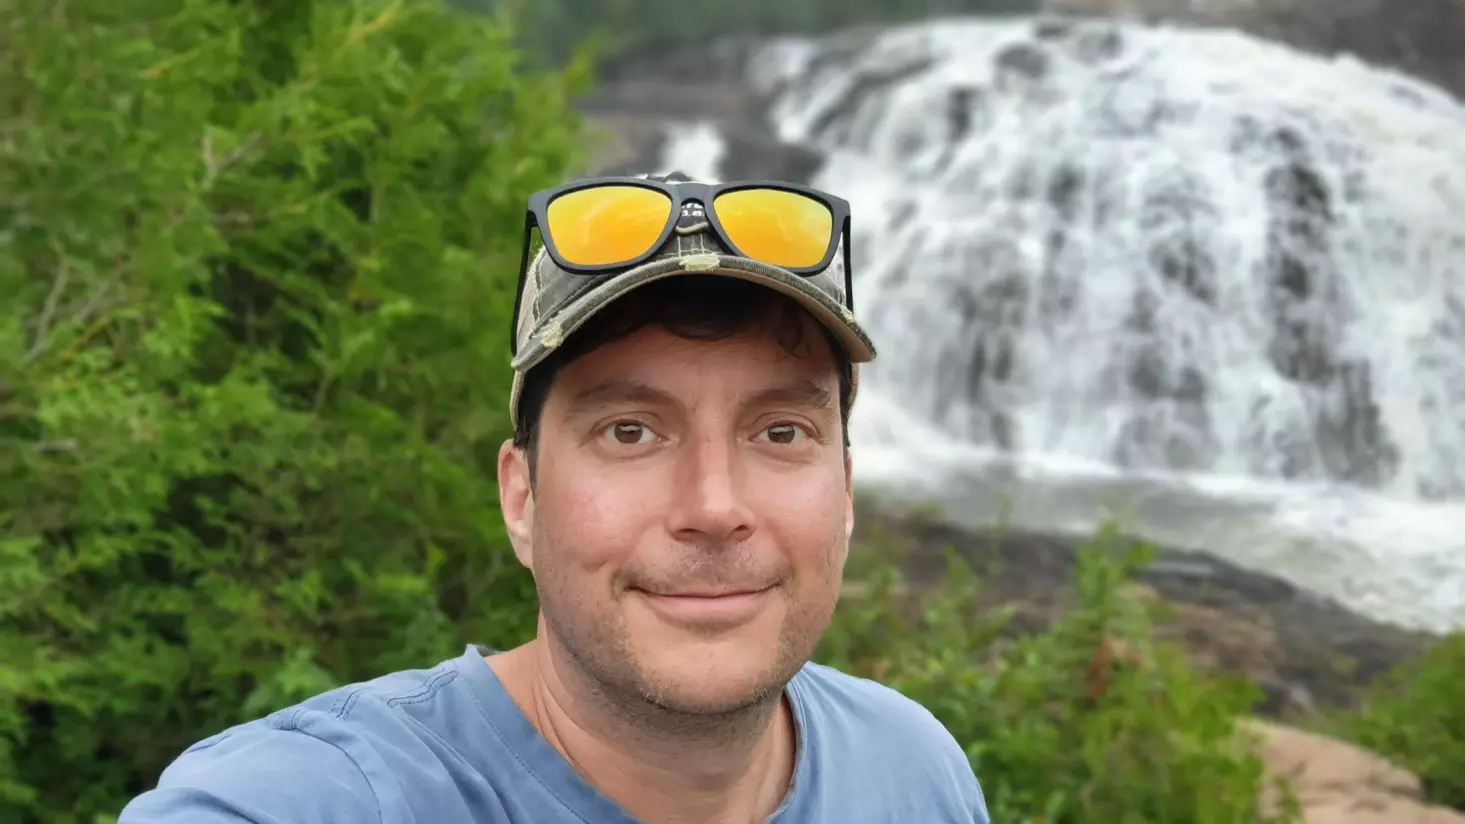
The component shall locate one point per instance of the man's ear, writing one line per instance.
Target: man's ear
(849, 496)
(516, 501)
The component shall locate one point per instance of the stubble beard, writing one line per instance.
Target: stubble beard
(608, 671)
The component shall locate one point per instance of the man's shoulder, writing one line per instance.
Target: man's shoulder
(318, 760)
(375, 712)
(260, 771)
(883, 738)
(862, 702)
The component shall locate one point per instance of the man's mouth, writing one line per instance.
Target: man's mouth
(706, 593)
(702, 606)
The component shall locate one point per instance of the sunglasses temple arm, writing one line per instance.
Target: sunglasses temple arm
(519, 289)
(849, 272)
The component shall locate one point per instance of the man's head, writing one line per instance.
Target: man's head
(679, 484)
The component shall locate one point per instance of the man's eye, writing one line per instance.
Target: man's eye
(629, 433)
(784, 433)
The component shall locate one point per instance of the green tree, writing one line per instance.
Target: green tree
(258, 260)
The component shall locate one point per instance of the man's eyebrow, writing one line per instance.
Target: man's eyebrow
(802, 393)
(615, 392)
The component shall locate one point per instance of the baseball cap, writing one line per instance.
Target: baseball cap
(554, 304)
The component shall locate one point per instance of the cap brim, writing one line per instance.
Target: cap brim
(836, 317)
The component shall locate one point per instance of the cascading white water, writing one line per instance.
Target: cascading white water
(1210, 280)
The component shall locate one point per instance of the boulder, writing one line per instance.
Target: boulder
(1338, 783)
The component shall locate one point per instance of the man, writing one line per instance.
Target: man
(679, 484)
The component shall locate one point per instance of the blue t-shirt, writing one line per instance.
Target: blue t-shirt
(449, 746)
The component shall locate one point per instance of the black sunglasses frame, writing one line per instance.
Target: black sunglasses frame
(536, 217)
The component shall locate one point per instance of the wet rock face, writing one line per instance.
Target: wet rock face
(1420, 37)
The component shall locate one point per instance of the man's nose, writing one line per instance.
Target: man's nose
(711, 495)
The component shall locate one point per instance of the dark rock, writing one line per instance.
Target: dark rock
(863, 87)
(625, 145)
(960, 107)
(1022, 60)
(634, 144)
(844, 47)
(1052, 28)
(723, 62)
(642, 98)
(751, 154)
(671, 97)
(1420, 37)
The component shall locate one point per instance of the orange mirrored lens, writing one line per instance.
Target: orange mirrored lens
(607, 224)
(782, 228)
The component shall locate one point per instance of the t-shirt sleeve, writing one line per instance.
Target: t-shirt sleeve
(950, 767)
(258, 774)
(979, 805)
(963, 780)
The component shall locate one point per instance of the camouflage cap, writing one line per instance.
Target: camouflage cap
(556, 303)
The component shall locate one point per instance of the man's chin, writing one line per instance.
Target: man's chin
(697, 700)
(719, 685)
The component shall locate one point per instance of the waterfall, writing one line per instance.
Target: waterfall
(1208, 283)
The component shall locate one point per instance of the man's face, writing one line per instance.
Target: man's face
(691, 516)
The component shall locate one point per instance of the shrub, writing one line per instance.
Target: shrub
(1415, 716)
(1091, 721)
(259, 259)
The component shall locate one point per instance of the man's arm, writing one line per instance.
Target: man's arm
(256, 774)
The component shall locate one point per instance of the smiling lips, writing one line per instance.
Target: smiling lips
(727, 607)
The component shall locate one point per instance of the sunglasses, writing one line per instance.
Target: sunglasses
(597, 226)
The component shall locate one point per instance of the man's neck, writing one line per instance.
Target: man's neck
(668, 770)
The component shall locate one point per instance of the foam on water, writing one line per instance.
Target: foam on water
(1208, 283)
